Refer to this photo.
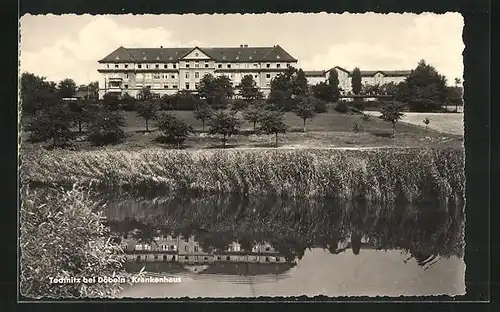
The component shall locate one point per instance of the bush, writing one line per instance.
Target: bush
(129, 103)
(239, 105)
(62, 237)
(52, 123)
(342, 107)
(320, 106)
(173, 129)
(106, 128)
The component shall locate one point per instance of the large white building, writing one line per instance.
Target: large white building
(368, 77)
(167, 70)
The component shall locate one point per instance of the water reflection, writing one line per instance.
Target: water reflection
(260, 240)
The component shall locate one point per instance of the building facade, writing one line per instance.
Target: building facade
(168, 70)
(368, 77)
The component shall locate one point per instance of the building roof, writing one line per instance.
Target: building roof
(314, 73)
(164, 55)
(369, 73)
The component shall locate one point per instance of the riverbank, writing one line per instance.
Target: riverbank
(377, 174)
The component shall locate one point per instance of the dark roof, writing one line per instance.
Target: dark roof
(369, 73)
(311, 73)
(238, 54)
(391, 73)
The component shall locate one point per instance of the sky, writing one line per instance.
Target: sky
(69, 46)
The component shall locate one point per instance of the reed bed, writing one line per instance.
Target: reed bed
(374, 175)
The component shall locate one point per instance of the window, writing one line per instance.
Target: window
(206, 64)
(268, 76)
(126, 65)
(219, 65)
(164, 257)
(157, 66)
(165, 65)
(187, 75)
(174, 65)
(187, 65)
(165, 86)
(228, 65)
(186, 248)
(267, 259)
(187, 85)
(197, 85)
(126, 75)
(126, 86)
(116, 66)
(277, 259)
(173, 77)
(197, 64)
(107, 65)
(139, 66)
(256, 76)
(174, 86)
(231, 76)
(228, 258)
(147, 65)
(196, 75)
(195, 248)
(268, 249)
(138, 259)
(218, 257)
(156, 257)
(278, 65)
(156, 76)
(268, 65)
(172, 247)
(246, 65)
(205, 258)
(186, 257)
(255, 65)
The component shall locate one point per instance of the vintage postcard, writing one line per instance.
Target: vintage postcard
(241, 156)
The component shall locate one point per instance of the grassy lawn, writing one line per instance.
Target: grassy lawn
(327, 130)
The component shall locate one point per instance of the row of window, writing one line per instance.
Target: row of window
(196, 65)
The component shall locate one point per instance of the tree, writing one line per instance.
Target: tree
(393, 112)
(148, 110)
(333, 83)
(106, 128)
(426, 121)
(299, 84)
(239, 104)
(389, 88)
(36, 93)
(284, 81)
(93, 88)
(216, 91)
(145, 95)
(272, 122)
(129, 103)
(305, 109)
(279, 100)
(66, 88)
(248, 89)
(356, 81)
(111, 101)
(424, 89)
(225, 124)
(253, 113)
(65, 229)
(81, 112)
(173, 129)
(52, 123)
(203, 113)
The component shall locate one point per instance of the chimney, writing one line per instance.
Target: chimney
(241, 46)
(161, 47)
(246, 46)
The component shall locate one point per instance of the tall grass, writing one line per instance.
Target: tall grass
(374, 175)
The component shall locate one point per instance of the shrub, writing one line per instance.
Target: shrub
(52, 123)
(320, 106)
(356, 128)
(62, 237)
(225, 124)
(173, 129)
(239, 105)
(203, 112)
(129, 103)
(342, 107)
(106, 128)
(148, 110)
(359, 104)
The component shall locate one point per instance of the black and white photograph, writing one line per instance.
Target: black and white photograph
(241, 156)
